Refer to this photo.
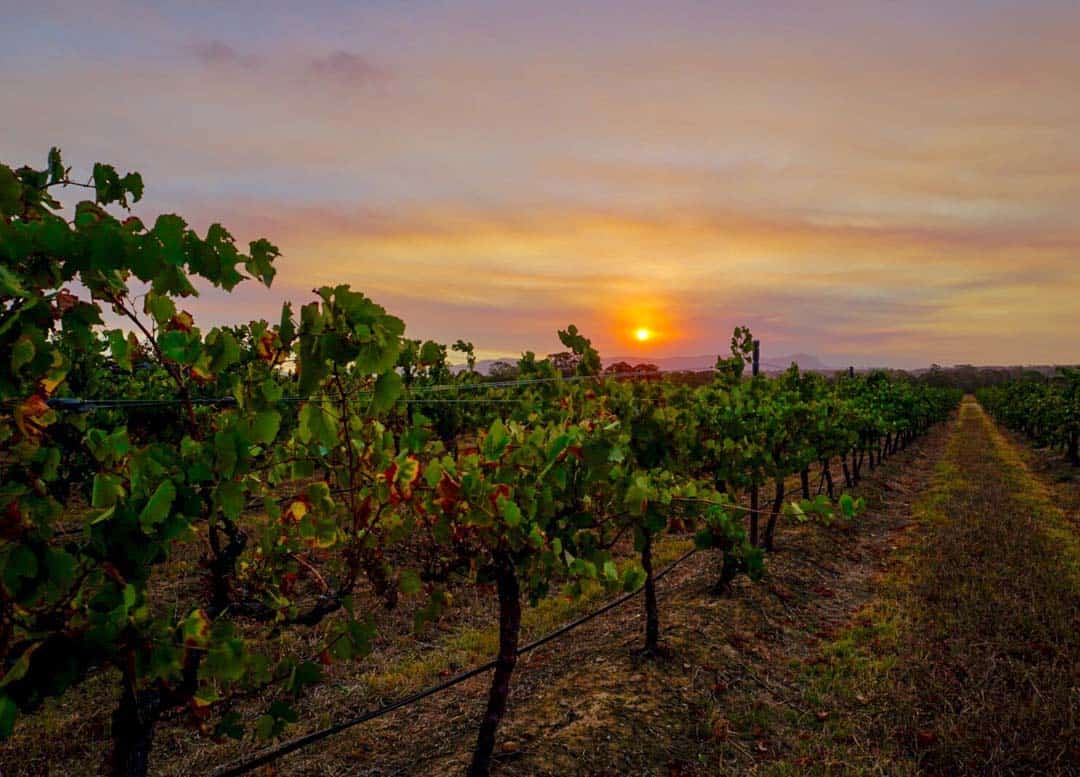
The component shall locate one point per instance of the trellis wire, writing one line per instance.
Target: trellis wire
(299, 743)
(78, 404)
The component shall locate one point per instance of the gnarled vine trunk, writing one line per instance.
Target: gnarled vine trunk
(509, 593)
(778, 502)
(826, 469)
(133, 724)
(847, 472)
(223, 562)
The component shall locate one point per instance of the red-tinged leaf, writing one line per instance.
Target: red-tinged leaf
(110, 569)
(297, 509)
(27, 412)
(196, 629)
(11, 521)
(264, 348)
(181, 322)
(201, 377)
(288, 582)
(409, 471)
(449, 491)
(501, 490)
(65, 301)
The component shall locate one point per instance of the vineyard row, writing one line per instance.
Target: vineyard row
(317, 516)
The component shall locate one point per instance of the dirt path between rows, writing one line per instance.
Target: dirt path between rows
(968, 660)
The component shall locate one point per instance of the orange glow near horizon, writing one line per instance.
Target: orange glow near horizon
(643, 322)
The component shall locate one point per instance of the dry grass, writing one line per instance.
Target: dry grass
(969, 661)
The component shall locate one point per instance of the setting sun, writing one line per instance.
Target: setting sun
(642, 334)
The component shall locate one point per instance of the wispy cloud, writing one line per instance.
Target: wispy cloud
(348, 68)
(217, 53)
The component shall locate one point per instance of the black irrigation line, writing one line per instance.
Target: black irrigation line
(272, 754)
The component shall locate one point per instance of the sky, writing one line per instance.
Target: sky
(875, 183)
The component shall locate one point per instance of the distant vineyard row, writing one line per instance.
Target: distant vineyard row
(323, 463)
(1045, 409)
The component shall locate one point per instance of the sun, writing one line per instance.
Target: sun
(641, 334)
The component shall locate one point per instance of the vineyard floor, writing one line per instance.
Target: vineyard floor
(940, 634)
(968, 660)
(731, 698)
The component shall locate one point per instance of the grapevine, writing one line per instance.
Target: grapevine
(320, 468)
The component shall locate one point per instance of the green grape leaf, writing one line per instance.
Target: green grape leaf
(10, 285)
(8, 712)
(496, 440)
(229, 496)
(510, 512)
(162, 308)
(303, 674)
(264, 428)
(230, 725)
(120, 347)
(19, 669)
(158, 506)
(318, 423)
(10, 192)
(387, 389)
(633, 578)
(22, 353)
(106, 491)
